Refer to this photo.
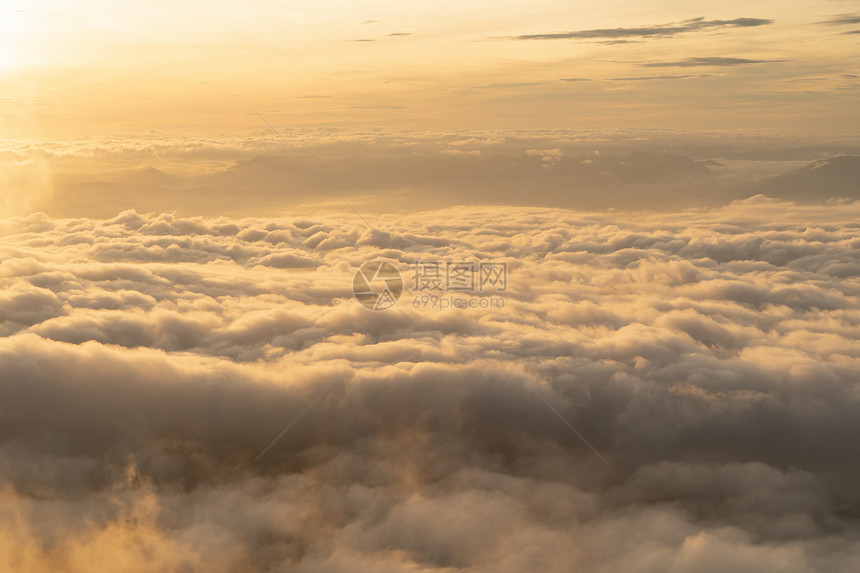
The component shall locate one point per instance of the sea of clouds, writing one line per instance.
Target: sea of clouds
(711, 357)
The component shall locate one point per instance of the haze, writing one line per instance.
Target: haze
(428, 287)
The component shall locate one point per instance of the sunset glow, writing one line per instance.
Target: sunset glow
(390, 287)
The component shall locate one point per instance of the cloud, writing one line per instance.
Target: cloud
(707, 61)
(510, 85)
(648, 78)
(710, 355)
(842, 20)
(658, 31)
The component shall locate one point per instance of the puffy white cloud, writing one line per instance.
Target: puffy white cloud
(710, 356)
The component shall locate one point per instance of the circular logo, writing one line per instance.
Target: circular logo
(377, 285)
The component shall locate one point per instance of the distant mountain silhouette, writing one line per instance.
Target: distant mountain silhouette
(405, 181)
(592, 181)
(824, 179)
(144, 189)
(148, 176)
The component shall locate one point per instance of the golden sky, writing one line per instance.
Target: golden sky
(667, 379)
(69, 69)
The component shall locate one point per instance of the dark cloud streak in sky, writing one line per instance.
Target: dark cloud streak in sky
(643, 78)
(843, 20)
(659, 31)
(706, 61)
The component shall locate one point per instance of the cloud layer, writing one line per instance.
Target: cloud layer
(706, 61)
(710, 356)
(658, 31)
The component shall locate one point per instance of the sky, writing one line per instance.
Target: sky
(414, 287)
(97, 68)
